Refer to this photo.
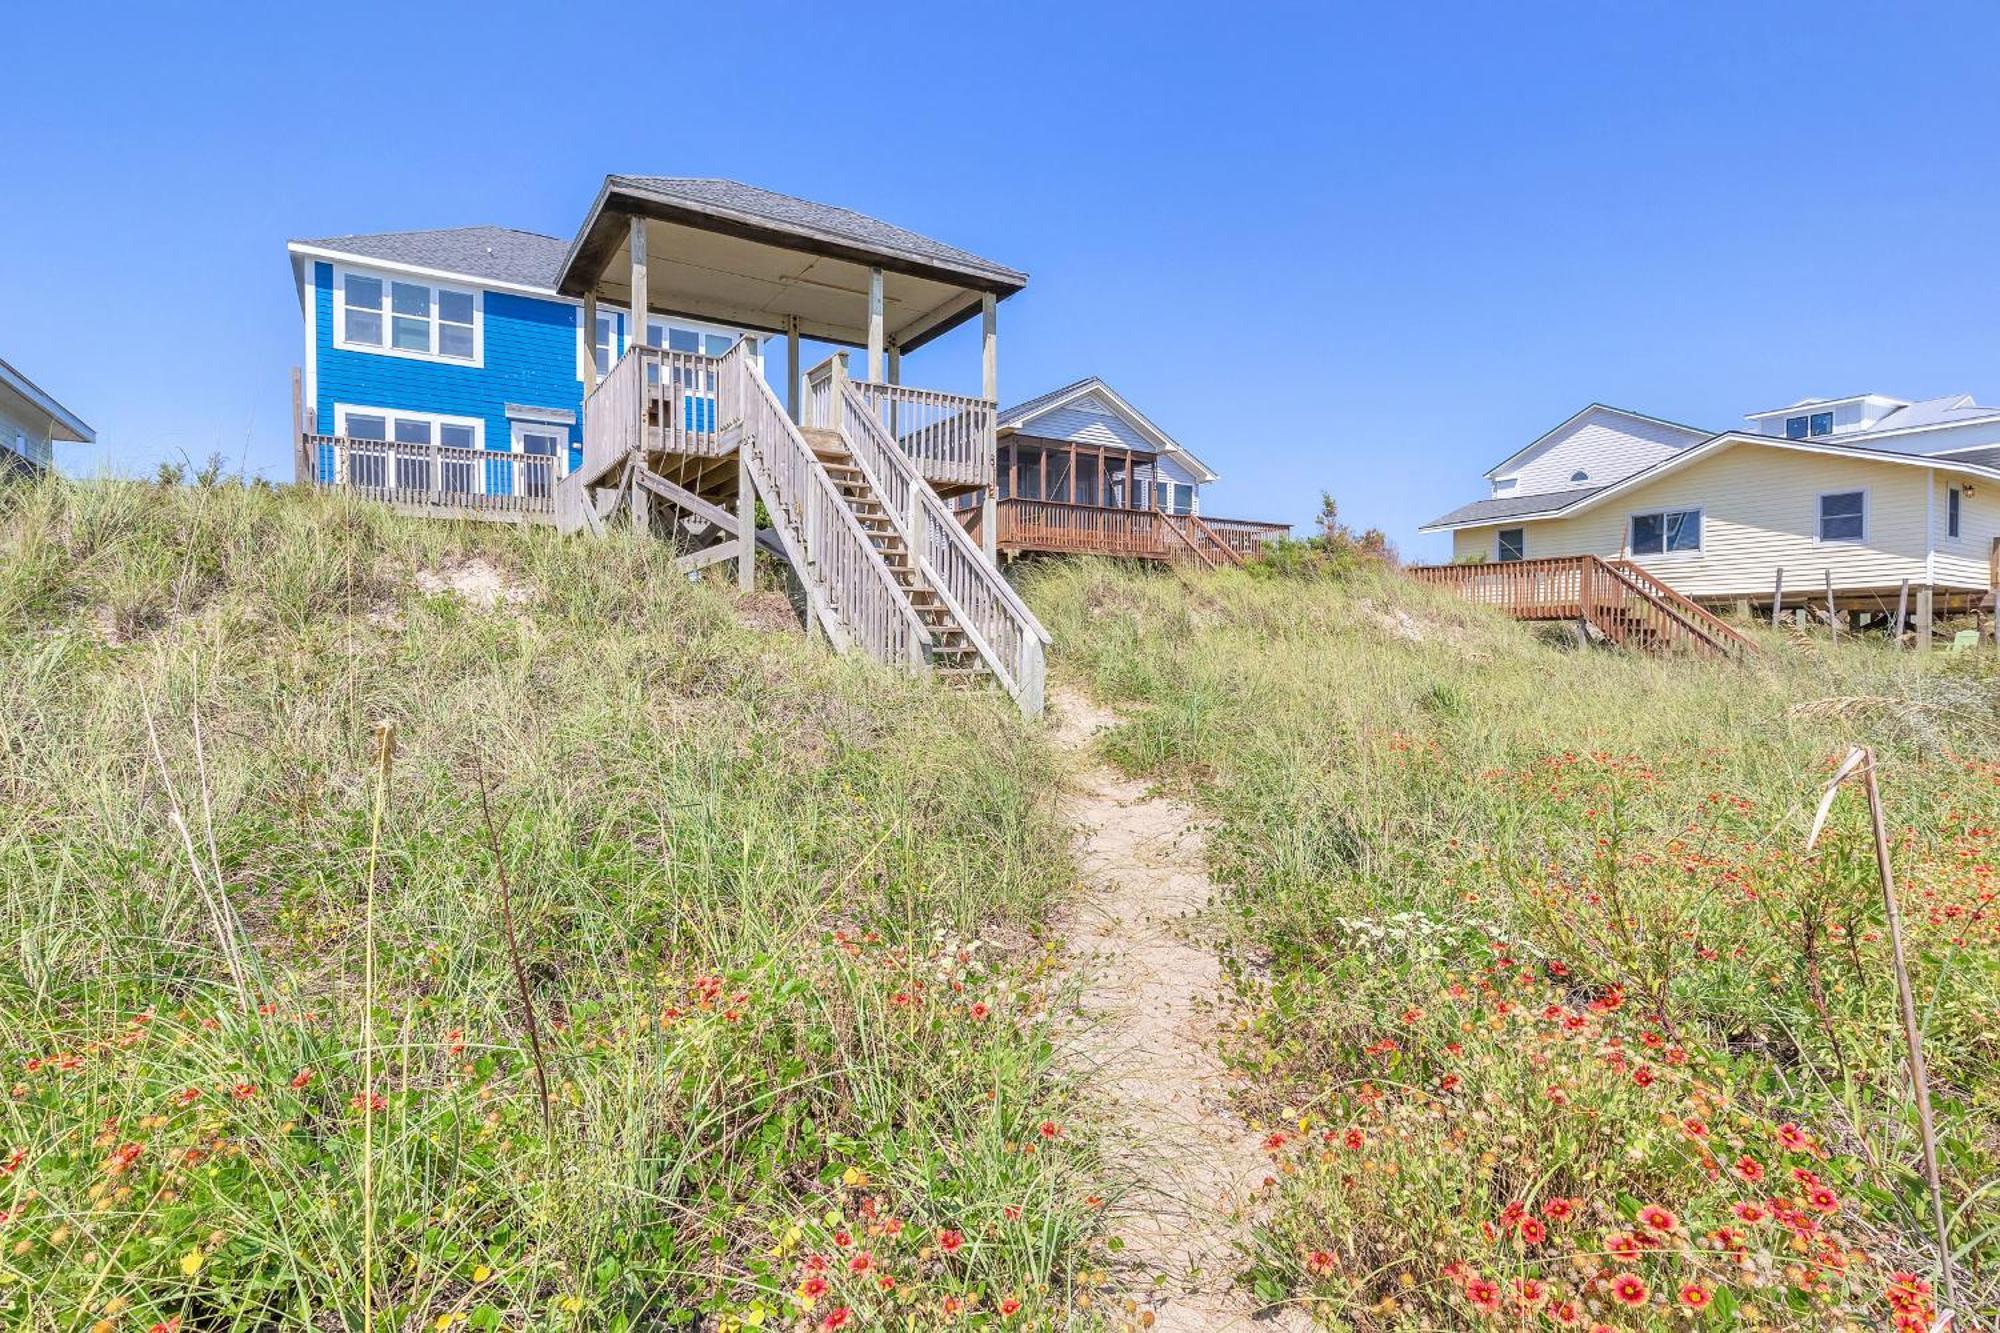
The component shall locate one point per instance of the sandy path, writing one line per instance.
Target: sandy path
(1146, 1032)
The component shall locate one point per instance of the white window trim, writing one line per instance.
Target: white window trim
(385, 277)
(586, 339)
(517, 428)
(1818, 525)
(342, 411)
(1701, 522)
(1498, 558)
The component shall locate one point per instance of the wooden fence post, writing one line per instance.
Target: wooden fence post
(301, 460)
(1902, 615)
(1777, 597)
(1832, 622)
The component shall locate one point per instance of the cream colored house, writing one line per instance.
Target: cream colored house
(1866, 491)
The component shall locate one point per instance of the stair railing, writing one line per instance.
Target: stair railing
(855, 593)
(1009, 638)
(1711, 624)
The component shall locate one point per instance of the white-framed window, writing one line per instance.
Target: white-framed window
(1843, 516)
(535, 440)
(1510, 544)
(409, 467)
(1954, 503)
(1177, 497)
(403, 316)
(1809, 425)
(681, 335)
(1666, 530)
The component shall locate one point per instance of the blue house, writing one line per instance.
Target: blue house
(457, 344)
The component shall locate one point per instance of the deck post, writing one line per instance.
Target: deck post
(895, 363)
(989, 523)
(1902, 615)
(746, 525)
(1832, 621)
(792, 368)
(301, 467)
(590, 341)
(1778, 597)
(875, 324)
(635, 333)
(989, 332)
(1924, 627)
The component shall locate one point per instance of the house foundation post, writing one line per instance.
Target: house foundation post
(590, 342)
(1924, 617)
(792, 370)
(989, 389)
(746, 526)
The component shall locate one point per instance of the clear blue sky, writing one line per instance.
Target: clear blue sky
(1372, 249)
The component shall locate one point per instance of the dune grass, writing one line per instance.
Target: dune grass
(777, 913)
(1552, 1019)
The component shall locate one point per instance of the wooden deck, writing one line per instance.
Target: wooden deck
(437, 480)
(1056, 527)
(1624, 602)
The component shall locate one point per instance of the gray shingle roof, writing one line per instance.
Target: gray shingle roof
(1988, 456)
(1513, 506)
(803, 214)
(499, 254)
(1019, 412)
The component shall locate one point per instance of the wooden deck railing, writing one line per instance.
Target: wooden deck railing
(435, 476)
(951, 437)
(1625, 603)
(661, 400)
(1062, 528)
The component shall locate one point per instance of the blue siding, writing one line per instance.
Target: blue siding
(530, 359)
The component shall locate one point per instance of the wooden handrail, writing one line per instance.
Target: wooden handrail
(999, 625)
(1624, 603)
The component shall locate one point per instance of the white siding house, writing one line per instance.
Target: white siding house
(31, 422)
(1867, 492)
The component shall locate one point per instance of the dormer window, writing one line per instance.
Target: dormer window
(1812, 424)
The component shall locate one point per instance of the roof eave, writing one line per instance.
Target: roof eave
(77, 431)
(593, 243)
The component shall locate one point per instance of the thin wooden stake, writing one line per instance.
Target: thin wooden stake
(1862, 761)
(514, 956)
(1902, 614)
(385, 751)
(1778, 597)
(1832, 622)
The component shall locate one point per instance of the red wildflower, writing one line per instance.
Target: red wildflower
(1484, 1294)
(978, 1013)
(838, 1317)
(1658, 1218)
(1274, 1142)
(1824, 1199)
(1559, 1210)
(303, 1077)
(1629, 1290)
(1792, 1136)
(1532, 1231)
(1750, 1212)
(1319, 1262)
(861, 1262)
(1050, 1130)
(1353, 1140)
(1695, 1296)
(949, 1241)
(1750, 1169)
(1009, 1307)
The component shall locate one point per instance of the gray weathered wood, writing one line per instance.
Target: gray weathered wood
(1778, 597)
(1902, 614)
(301, 460)
(746, 523)
(682, 498)
(590, 341)
(708, 555)
(875, 323)
(1832, 621)
(989, 350)
(641, 298)
(1924, 618)
(792, 367)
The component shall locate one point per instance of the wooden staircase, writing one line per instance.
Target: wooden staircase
(884, 566)
(1625, 603)
(952, 653)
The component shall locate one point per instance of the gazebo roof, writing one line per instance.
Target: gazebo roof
(736, 254)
